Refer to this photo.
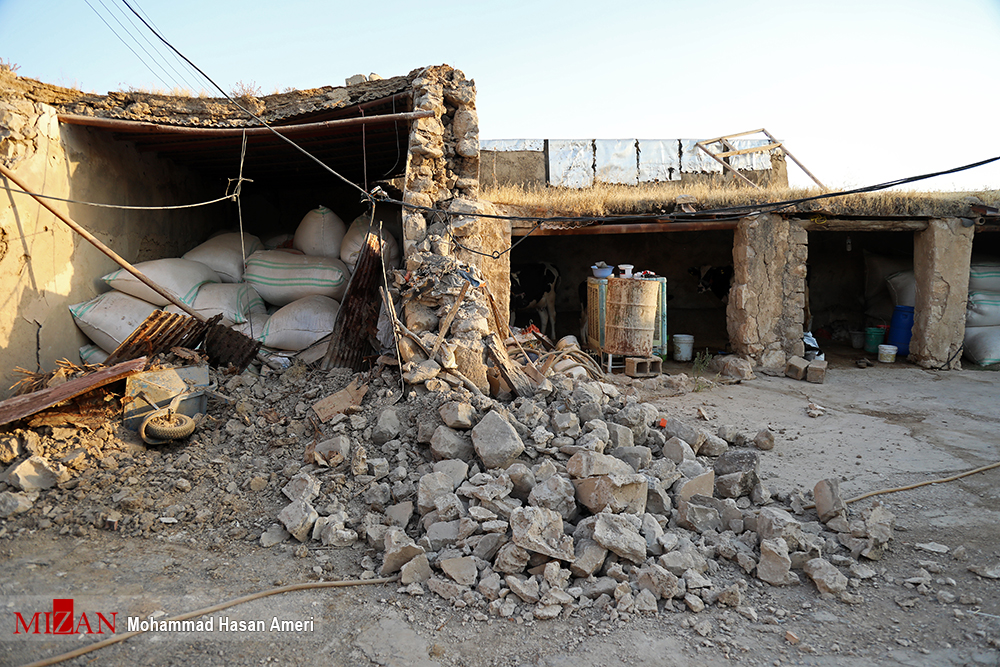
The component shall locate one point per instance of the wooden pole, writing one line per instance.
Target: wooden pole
(120, 261)
(801, 166)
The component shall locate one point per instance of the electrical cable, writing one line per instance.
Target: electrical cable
(119, 206)
(201, 85)
(138, 57)
(152, 57)
(247, 111)
(157, 55)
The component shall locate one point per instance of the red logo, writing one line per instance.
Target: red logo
(62, 621)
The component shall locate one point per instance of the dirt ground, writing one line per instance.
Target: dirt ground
(884, 427)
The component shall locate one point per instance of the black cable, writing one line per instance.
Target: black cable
(138, 57)
(157, 55)
(247, 111)
(152, 57)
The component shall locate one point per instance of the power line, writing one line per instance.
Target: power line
(138, 57)
(139, 44)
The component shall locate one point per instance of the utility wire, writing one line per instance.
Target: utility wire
(184, 65)
(138, 57)
(151, 56)
(247, 111)
(157, 55)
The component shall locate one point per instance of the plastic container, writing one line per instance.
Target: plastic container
(887, 353)
(626, 270)
(901, 329)
(683, 347)
(874, 336)
(631, 316)
(602, 272)
(857, 339)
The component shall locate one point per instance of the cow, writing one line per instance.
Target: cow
(533, 287)
(714, 279)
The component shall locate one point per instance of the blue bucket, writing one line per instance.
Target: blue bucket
(901, 329)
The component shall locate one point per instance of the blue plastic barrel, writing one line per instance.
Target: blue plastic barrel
(901, 329)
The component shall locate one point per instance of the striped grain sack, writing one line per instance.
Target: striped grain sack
(281, 277)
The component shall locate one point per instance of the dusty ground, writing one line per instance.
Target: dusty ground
(884, 427)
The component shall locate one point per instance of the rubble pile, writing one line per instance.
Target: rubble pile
(579, 497)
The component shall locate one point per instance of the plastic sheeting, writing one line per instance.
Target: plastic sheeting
(509, 145)
(571, 163)
(659, 160)
(616, 161)
(756, 161)
(694, 160)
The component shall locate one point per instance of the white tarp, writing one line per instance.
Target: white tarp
(695, 160)
(658, 160)
(616, 161)
(508, 145)
(571, 163)
(756, 161)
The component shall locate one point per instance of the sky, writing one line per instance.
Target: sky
(861, 92)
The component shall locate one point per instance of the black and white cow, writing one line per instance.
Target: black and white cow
(714, 279)
(533, 287)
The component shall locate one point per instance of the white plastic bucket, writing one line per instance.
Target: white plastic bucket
(887, 353)
(683, 347)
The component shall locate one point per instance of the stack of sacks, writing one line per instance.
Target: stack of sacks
(350, 248)
(982, 313)
(305, 282)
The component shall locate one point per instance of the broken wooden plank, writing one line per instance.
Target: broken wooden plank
(336, 403)
(20, 407)
(509, 371)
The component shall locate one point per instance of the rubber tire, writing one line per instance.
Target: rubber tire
(174, 427)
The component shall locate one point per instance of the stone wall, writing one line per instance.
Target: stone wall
(941, 258)
(766, 302)
(44, 266)
(442, 172)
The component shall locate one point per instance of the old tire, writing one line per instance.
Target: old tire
(170, 427)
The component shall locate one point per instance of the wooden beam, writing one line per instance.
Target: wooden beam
(821, 224)
(630, 228)
(754, 149)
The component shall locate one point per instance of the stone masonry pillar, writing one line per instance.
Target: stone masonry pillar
(941, 257)
(765, 311)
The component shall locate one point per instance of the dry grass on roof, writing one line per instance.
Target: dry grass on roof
(659, 198)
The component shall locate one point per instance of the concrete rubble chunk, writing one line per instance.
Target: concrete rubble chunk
(399, 550)
(677, 450)
(620, 534)
(496, 442)
(526, 589)
(775, 565)
(638, 458)
(828, 579)
(829, 504)
(429, 487)
(657, 580)
(416, 570)
(764, 440)
(511, 559)
(555, 493)
(275, 534)
(795, 367)
(488, 546)
(14, 503)
(36, 473)
(590, 463)
(441, 534)
(589, 557)
(613, 493)
(447, 443)
(457, 470)
(421, 372)
(462, 570)
(457, 415)
(335, 450)
(302, 486)
(298, 518)
(694, 437)
(540, 530)
(10, 448)
(387, 427)
(447, 589)
(522, 478)
(619, 436)
(816, 371)
(713, 446)
(565, 424)
(703, 484)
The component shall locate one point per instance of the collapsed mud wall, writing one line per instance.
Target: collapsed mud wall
(44, 266)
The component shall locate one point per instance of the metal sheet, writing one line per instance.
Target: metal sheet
(616, 161)
(160, 387)
(659, 160)
(751, 161)
(571, 163)
(695, 161)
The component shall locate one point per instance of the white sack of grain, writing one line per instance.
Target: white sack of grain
(91, 354)
(281, 277)
(983, 309)
(179, 277)
(320, 233)
(982, 345)
(109, 318)
(350, 249)
(984, 276)
(234, 300)
(224, 254)
(300, 324)
(903, 288)
(254, 324)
